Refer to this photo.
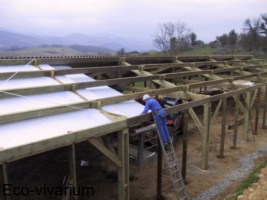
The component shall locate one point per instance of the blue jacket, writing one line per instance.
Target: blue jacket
(154, 106)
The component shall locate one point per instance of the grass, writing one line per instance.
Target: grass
(202, 51)
(248, 181)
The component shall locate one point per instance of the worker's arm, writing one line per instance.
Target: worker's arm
(147, 107)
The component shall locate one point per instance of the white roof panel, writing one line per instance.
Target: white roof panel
(27, 82)
(46, 67)
(126, 108)
(29, 131)
(98, 92)
(18, 68)
(33, 102)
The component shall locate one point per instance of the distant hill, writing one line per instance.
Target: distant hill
(11, 40)
(54, 50)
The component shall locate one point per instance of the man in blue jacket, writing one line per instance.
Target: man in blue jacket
(159, 116)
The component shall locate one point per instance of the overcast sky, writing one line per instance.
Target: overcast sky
(207, 18)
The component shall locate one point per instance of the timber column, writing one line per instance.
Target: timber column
(205, 136)
(123, 172)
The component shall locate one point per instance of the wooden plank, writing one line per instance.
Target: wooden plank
(104, 150)
(216, 111)
(26, 150)
(217, 71)
(185, 74)
(21, 74)
(32, 90)
(206, 83)
(246, 76)
(86, 70)
(14, 61)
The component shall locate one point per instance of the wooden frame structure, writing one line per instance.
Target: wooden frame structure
(180, 76)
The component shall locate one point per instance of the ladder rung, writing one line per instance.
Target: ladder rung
(180, 189)
(173, 164)
(176, 171)
(176, 181)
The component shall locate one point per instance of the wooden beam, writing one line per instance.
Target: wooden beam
(21, 74)
(86, 70)
(216, 112)
(196, 120)
(206, 83)
(32, 90)
(104, 150)
(185, 74)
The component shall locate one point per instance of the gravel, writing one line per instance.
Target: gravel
(248, 164)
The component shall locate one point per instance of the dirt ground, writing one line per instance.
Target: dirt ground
(51, 168)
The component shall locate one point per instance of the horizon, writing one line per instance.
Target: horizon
(140, 19)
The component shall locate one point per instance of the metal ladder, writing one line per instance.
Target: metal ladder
(174, 170)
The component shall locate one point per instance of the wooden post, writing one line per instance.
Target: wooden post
(223, 128)
(205, 136)
(257, 111)
(236, 97)
(140, 149)
(123, 172)
(73, 165)
(264, 109)
(3, 181)
(247, 114)
(72, 168)
(159, 172)
(185, 128)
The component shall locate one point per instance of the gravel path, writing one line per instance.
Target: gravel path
(248, 164)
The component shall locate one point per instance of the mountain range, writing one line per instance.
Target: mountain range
(10, 39)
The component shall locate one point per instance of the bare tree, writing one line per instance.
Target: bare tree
(263, 25)
(172, 38)
(251, 38)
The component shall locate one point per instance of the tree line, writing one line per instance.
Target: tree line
(173, 38)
